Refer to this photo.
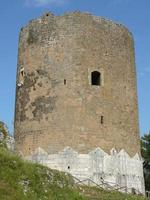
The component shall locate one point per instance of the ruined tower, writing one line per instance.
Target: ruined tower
(76, 97)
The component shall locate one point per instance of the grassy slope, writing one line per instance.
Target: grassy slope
(20, 180)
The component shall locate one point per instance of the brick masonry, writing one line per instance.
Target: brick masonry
(56, 105)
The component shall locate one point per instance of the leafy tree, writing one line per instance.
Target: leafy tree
(145, 150)
(3, 129)
(3, 134)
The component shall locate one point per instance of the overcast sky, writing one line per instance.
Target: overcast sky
(135, 14)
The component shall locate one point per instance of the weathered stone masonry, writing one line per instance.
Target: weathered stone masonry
(58, 102)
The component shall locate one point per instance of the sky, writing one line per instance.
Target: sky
(134, 14)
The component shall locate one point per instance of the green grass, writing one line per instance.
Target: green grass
(94, 193)
(21, 180)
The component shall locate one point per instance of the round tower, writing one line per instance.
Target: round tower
(76, 86)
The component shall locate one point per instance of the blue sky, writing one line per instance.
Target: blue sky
(135, 14)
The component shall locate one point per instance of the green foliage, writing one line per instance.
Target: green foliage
(22, 180)
(3, 144)
(145, 140)
(3, 129)
(94, 193)
(145, 150)
(4, 132)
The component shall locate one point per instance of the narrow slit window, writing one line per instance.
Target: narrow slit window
(64, 81)
(96, 78)
(102, 119)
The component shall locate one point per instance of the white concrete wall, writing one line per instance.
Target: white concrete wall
(117, 169)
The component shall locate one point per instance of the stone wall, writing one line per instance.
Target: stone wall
(116, 169)
(56, 105)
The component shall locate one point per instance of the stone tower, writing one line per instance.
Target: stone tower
(76, 96)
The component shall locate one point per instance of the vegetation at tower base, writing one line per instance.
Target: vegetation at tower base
(145, 150)
(3, 134)
(6, 140)
(21, 180)
(3, 129)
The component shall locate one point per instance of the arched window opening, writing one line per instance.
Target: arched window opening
(96, 78)
(21, 77)
(22, 72)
